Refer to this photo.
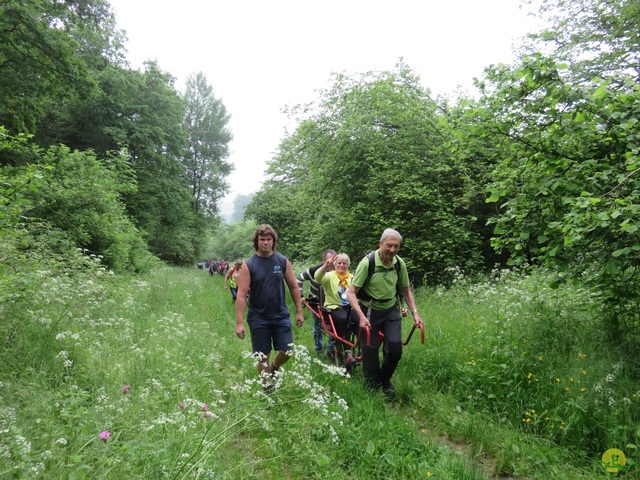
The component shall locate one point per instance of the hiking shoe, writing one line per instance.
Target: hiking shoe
(389, 392)
(349, 359)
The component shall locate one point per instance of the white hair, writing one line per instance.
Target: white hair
(390, 232)
(343, 256)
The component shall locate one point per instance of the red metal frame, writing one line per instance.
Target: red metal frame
(381, 335)
(331, 331)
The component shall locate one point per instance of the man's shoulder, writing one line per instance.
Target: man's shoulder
(314, 269)
(279, 257)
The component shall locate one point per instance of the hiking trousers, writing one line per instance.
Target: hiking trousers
(378, 374)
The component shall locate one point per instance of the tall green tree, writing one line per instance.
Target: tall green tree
(63, 78)
(567, 122)
(568, 189)
(47, 49)
(208, 138)
(375, 153)
(595, 38)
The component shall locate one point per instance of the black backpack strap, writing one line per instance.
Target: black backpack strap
(371, 270)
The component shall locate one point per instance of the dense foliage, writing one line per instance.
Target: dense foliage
(567, 184)
(64, 83)
(539, 169)
(376, 152)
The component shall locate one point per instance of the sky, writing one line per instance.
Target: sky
(261, 56)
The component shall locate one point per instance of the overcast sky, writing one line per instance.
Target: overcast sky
(262, 55)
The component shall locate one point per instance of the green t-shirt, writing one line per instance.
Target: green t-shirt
(382, 284)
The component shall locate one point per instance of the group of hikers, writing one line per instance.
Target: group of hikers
(214, 266)
(367, 300)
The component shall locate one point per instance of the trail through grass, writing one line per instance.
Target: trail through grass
(155, 363)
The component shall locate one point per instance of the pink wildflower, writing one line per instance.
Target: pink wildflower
(204, 407)
(104, 436)
(125, 389)
(181, 405)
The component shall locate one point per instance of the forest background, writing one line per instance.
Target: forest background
(538, 172)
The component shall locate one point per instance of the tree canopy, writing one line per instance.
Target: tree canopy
(64, 82)
(374, 153)
(540, 168)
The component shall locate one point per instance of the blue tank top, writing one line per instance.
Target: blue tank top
(266, 291)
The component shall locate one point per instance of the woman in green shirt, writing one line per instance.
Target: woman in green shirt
(230, 279)
(336, 284)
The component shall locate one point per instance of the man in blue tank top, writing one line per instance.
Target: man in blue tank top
(262, 277)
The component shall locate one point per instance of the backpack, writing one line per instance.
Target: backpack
(372, 267)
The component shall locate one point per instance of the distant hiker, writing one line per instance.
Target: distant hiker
(230, 279)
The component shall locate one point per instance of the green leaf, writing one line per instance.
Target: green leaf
(495, 196)
(371, 447)
(622, 251)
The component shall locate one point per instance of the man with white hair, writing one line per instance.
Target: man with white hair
(374, 299)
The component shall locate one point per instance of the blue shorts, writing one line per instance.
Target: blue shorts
(265, 333)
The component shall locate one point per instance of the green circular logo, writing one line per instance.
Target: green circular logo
(614, 461)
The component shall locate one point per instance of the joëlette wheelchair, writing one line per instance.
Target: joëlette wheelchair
(353, 342)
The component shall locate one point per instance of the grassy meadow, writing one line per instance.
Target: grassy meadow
(105, 376)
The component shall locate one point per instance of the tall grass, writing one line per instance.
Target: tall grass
(143, 378)
(118, 377)
(525, 352)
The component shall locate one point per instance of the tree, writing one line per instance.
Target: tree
(567, 184)
(374, 153)
(595, 38)
(63, 79)
(208, 140)
(239, 205)
(70, 200)
(45, 48)
(568, 189)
